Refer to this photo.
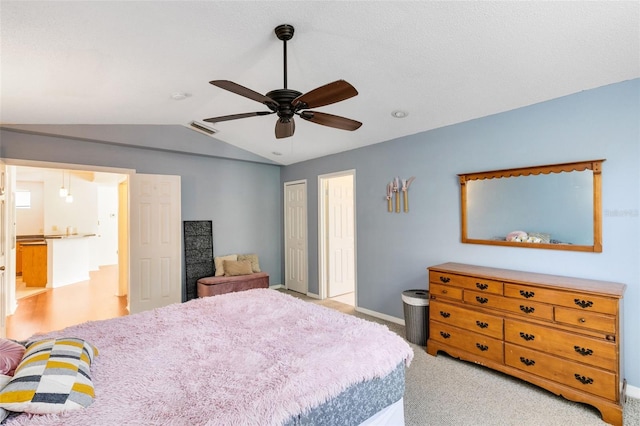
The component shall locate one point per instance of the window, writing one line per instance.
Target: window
(23, 199)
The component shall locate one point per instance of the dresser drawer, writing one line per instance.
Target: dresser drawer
(527, 308)
(579, 376)
(439, 290)
(596, 352)
(478, 322)
(579, 318)
(472, 283)
(474, 343)
(562, 298)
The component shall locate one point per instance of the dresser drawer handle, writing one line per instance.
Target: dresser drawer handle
(527, 294)
(482, 300)
(611, 337)
(584, 380)
(445, 335)
(444, 291)
(445, 314)
(482, 324)
(583, 303)
(527, 309)
(482, 347)
(482, 286)
(526, 336)
(526, 361)
(583, 351)
(445, 279)
(582, 320)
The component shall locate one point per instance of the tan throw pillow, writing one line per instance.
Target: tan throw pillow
(235, 268)
(253, 258)
(219, 263)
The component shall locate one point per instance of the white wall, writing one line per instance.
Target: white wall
(106, 242)
(31, 221)
(82, 213)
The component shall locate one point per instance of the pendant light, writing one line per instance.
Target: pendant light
(69, 198)
(63, 191)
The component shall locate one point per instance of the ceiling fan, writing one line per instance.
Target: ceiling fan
(287, 102)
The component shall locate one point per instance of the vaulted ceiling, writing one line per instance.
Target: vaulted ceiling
(108, 68)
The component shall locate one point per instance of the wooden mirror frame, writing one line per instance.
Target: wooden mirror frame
(594, 165)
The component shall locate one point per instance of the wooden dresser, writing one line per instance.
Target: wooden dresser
(563, 334)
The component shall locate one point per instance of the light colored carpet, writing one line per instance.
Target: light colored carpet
(442, 390)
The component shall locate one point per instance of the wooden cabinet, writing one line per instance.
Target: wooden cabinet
(18, 258)
(34, 264)
(560, 333)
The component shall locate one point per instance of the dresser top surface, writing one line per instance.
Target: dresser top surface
(606, 288)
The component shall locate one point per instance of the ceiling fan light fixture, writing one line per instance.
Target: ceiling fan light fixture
(398, 113)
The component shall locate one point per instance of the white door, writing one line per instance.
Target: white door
(4, 232)
(156, 246)
(295, 236)
(340, 236)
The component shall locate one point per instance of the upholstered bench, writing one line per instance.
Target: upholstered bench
(211, 286)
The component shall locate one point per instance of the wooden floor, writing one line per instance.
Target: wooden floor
(73, 304)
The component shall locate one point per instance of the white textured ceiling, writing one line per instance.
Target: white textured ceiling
(86, 62)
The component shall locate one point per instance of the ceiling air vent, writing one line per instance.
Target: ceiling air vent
(199, 127)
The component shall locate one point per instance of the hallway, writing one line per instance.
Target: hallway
(62, 307)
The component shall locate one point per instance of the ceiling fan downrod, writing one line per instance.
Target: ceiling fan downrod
(284, 32)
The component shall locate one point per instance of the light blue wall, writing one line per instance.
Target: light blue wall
(394, 250)
(241, 198)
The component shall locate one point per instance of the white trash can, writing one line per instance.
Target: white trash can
(416, 315)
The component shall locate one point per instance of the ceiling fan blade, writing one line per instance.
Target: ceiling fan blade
(330, 120)
(243, 91)
(236, 116)
(285, 127)
(330, 93)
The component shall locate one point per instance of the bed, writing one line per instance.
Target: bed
(257, 357)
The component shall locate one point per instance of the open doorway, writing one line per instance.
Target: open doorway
(337, 239)
(66, 247)
(153, 233)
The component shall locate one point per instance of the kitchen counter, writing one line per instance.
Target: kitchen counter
(65, 236)
(69, 259)
(33, 243)
(28, 238)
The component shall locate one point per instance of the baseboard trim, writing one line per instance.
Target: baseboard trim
(276, 286)
(381, 316)
(633, 392)
(313, 295)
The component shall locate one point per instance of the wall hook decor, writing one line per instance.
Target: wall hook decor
(405, 191)
(394, 190)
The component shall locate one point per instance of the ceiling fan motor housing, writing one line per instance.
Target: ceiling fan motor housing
(284, 97)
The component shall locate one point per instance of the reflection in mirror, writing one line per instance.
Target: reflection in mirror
(553, 207)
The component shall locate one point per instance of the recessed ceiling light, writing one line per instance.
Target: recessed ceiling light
(178, 96)
(399, 113)
(276, 153)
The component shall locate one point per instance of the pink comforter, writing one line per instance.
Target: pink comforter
(255, 357)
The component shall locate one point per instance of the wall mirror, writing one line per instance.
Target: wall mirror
(556, 207)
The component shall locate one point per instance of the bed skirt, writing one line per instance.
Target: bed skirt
(359, 404)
